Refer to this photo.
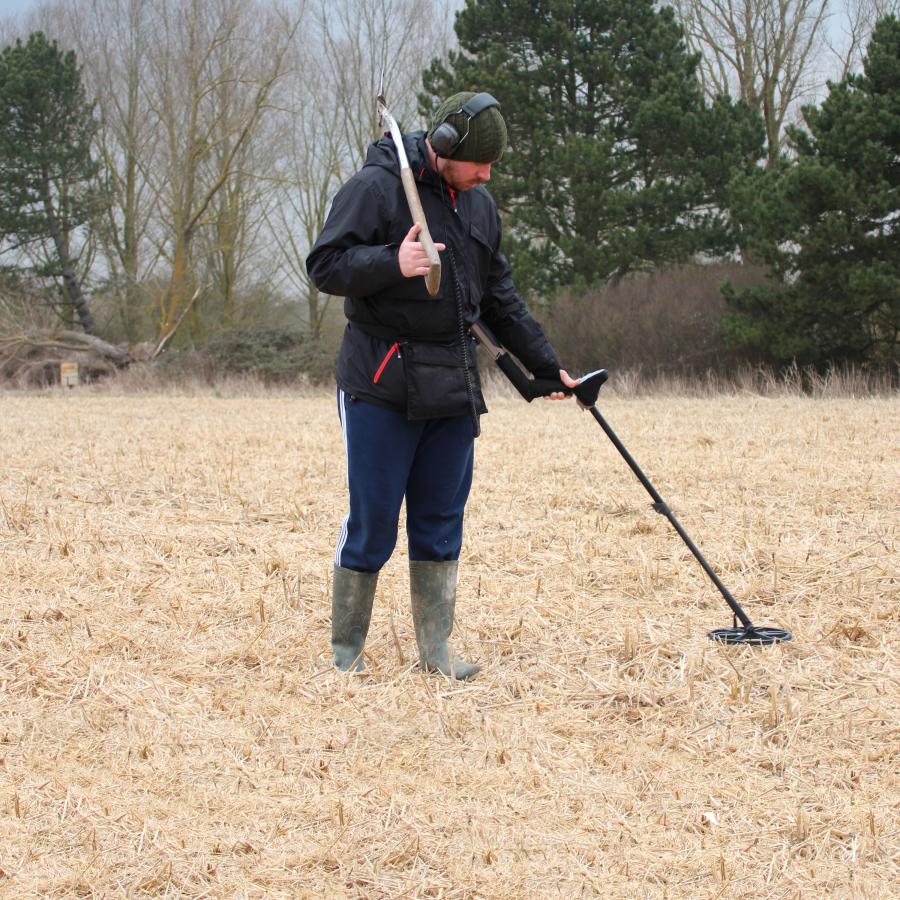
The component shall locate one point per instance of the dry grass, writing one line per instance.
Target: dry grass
(171, 725)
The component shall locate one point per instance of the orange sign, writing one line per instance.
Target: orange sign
(68, 374)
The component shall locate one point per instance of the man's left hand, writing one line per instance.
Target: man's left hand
(568, 381)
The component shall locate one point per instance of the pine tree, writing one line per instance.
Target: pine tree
(48, 179)
(826, 224)
(616, 162)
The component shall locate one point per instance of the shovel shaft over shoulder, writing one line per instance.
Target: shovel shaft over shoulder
(433, 278)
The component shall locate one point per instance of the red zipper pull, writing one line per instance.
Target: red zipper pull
(384, 362)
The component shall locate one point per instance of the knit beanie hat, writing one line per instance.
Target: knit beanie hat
(483, 139)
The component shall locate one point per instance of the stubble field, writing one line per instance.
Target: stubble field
(171, 725)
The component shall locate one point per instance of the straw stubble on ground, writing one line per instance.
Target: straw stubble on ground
(171, 724)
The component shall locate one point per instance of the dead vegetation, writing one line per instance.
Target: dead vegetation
(33, 345)
(171, 724)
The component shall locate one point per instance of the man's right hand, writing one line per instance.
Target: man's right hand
(412, 255)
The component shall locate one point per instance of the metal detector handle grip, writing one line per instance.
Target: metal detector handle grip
(433, 278)
(586, 391)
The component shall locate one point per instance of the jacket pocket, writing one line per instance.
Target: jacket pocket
(436, 382)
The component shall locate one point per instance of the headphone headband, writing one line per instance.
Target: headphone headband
(478, 104)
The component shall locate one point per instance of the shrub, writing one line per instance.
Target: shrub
(273, 354)
(665, 322)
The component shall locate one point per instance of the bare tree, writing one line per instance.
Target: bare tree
(364, 37)
(225, 131)
(205, 129)
(331, 117)
(230, 244)
(114, 39)
(309, 172)
(237, 263)
(762, 51)
(183, 164)
(852, 29)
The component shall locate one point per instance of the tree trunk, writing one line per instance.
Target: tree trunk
(70, 278)
(118, 354)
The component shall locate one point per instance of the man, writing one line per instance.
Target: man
(409, 396)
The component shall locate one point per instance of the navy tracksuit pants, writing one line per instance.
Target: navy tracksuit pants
(389, 457)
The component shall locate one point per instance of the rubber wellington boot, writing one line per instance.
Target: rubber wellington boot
(432, 586)
(351, 611)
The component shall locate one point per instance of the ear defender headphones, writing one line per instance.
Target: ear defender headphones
(445, 139)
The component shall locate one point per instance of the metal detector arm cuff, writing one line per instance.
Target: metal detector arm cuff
(586, 392)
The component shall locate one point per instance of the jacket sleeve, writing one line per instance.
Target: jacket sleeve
(352, 257)
(505, 314)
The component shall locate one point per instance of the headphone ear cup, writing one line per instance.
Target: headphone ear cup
(444, 139)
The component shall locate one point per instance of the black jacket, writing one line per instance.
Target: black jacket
(357, 256)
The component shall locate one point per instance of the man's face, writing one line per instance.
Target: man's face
(462, 175)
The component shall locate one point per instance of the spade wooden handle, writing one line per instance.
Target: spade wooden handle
(433, 278)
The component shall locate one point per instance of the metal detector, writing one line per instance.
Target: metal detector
(586, 392)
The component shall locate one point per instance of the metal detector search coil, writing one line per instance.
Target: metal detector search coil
(758, 637)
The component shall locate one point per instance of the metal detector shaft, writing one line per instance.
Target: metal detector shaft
(663, 509)
(586, 392)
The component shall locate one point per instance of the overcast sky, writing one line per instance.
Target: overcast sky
(11, 7)
(19, 7)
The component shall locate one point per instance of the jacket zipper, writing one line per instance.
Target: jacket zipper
(394, 349)
(451, 191)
